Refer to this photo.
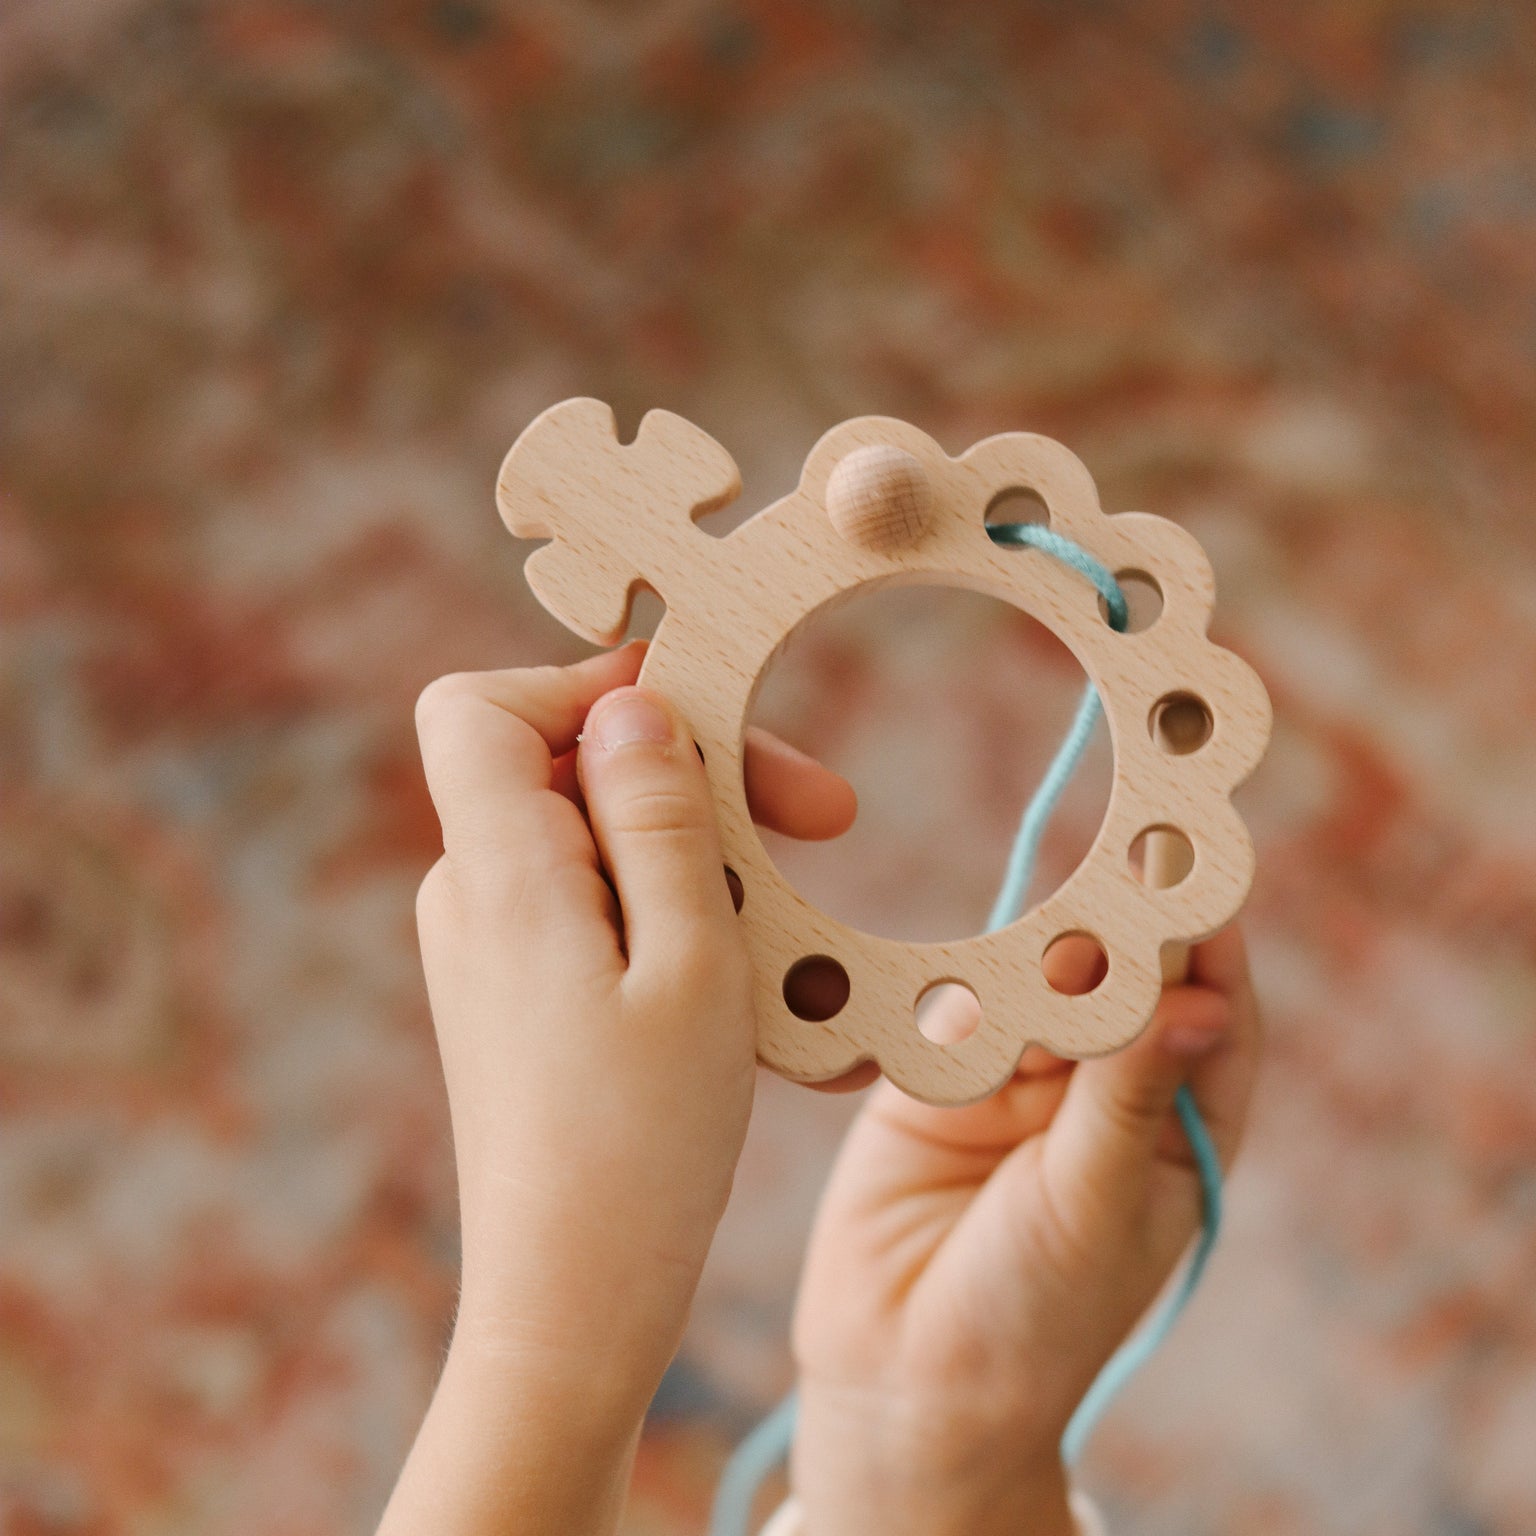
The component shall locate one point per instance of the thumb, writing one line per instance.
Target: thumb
(1104, 1141)
(653, 821)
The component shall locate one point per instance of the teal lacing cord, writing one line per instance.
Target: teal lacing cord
(768, 1445)
(751, 1463)
(1145, 1342)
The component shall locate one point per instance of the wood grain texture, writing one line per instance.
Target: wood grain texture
(620, 517)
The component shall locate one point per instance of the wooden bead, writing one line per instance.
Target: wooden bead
(880, 497)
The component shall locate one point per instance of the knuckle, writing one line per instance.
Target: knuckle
(1137, 1105)
(1061, 1229)
(701, 966)
(660, 811)
(693, 964)
(490, 900)
(444, 696)
(478, 871)
(497, 879)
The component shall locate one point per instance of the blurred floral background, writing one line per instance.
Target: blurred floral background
(280, 282)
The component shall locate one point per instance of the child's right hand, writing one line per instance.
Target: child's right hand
(590, 988)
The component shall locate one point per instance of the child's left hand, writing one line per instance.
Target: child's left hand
(973, 1269)
(591, 994)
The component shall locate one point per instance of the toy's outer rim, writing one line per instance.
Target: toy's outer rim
(620, 518)
(811, 1051)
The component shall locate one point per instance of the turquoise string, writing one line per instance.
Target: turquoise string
(751, 1463)
(768, 1445)
(1037, 814)
(1145, 1342)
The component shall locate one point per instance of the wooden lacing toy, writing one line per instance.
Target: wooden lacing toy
(880, 504)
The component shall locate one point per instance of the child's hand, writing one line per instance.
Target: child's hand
(590, 990)
(971, 1270)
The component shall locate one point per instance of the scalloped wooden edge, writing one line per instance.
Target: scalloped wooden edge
(620, 517)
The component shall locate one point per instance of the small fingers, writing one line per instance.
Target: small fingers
(1116, 1117)
(1020, 1109)
(791, 793)
(1223, 1076)
(1221, 961)
(1192, 1021)
(489, 745)
(787, 791)
(488, 736)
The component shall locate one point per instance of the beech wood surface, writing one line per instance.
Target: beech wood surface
(1188, 720)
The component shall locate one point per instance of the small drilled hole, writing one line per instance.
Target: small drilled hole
(1018, 504)
(816, 988)
(1162, 857)
(1180, 723)
(1143, 601)
(737, 890)
(1075, 964)
(948, 1012)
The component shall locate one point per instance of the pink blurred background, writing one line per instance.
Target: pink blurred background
(280, 282)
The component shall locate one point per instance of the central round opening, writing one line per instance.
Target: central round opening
(943, 708)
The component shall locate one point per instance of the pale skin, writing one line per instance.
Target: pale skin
(970, 1269)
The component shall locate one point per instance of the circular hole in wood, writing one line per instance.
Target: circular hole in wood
(1018, 504)
(943, 708)
(1143, 601)
(1075, 964)
(1162, 857)
(816, 988)
(948, 1012)
(1180, 723)
(737, 889)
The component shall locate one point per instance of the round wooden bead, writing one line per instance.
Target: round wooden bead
(880, 497)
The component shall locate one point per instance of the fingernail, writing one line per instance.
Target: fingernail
(629, 719)
(1187, 1040)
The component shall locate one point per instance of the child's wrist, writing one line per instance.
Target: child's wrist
(789, 1519)
(865, 1461)
(597, 1377)
(516, 1440)
(1021, 1506)
(588, 1307)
